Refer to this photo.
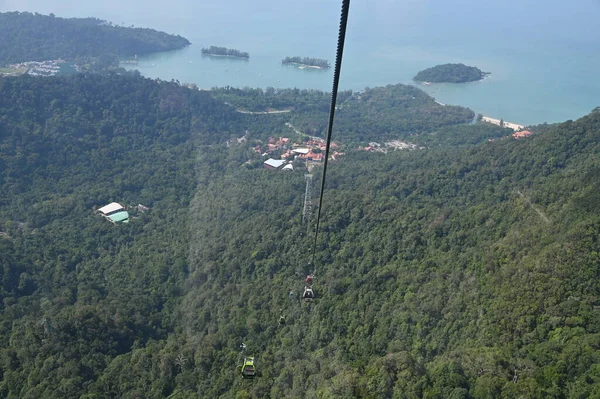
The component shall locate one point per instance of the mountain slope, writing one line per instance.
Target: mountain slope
(455, 272)
(440, 274)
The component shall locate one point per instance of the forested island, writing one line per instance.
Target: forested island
(223, 51)
(35, 37)
(450, 73)
(449, 271)
(307, 61)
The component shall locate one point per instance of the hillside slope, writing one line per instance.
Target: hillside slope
(467, 274)
(375, 114)
(36, 37)
(440, 273)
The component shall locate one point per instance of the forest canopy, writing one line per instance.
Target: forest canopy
(36, 37)
(450, 73)
(390, 112)
(465, 270)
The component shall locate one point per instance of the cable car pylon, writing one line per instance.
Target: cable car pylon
(306, 211)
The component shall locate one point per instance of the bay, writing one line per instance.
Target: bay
(542, 57)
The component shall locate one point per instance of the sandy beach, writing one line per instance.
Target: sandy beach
(513, 126)
(304, 66)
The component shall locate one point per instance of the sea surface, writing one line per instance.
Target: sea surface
(543, 57)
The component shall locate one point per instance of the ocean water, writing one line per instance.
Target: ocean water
(543, 57)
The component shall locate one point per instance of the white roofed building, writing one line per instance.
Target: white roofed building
(302, 151)
(115, 212)
(274, 163)
(110, 208)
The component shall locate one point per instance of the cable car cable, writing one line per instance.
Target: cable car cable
(334, 92)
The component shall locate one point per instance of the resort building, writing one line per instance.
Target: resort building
(115, 213)
(274, 163)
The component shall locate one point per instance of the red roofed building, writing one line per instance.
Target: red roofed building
(311, 156)
(521, 134)
(282, 141)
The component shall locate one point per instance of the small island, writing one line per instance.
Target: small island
(223, 51)
(307, 62)
(450, 73)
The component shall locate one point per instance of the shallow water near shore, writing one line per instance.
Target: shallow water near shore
(540, 72)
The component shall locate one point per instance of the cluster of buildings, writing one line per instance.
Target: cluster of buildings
(39, 68)
(521, 134)
(394, 145)
(312, 150)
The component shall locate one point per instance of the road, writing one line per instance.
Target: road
(282, 111)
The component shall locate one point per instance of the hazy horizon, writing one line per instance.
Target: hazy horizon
(541, 58)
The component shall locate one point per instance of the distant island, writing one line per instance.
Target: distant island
(223, 51)
(307, 62)
(450, 73)
(87, 41)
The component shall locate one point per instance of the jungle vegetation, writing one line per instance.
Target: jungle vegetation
(36, 37)
(450, 73)
(468, 269)
(390, 112)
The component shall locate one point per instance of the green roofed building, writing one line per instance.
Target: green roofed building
(119, 217)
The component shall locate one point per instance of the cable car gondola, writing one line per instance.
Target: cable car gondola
(248, 368)
(308, 294)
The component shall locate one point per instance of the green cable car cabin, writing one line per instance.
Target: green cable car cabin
(248, 368)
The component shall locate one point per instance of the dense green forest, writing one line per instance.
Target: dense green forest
(390, 112)
(466, 270)
(35, 37)
(215, 50)
(308, 61)
(450, 73)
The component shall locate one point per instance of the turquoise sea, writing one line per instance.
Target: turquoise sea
(543, 56)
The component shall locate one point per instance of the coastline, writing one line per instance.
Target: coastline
(224, 55)
(303, 66)
(514, 126)
(426, 83)
(495, 98)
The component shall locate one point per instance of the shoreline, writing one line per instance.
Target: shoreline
(212, 74)
(224, 55)
(303, 66)
(426, 83)
(514, 126)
